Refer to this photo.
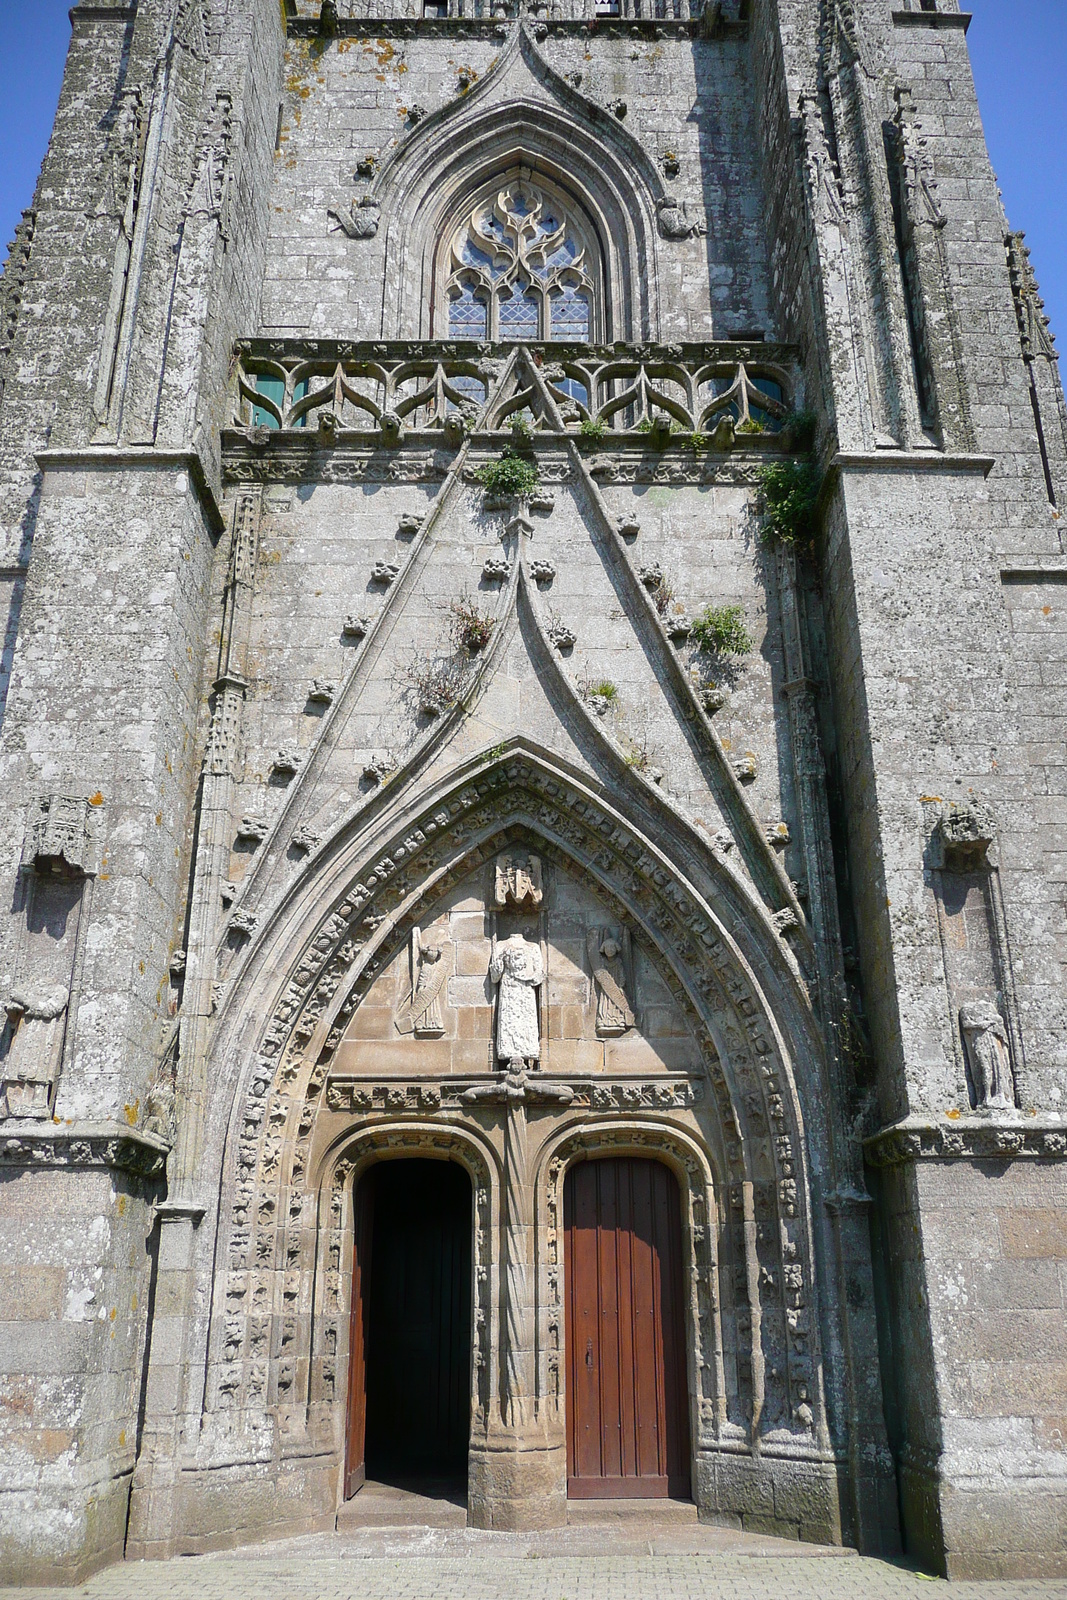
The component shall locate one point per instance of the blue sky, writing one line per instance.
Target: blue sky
(1019, 50)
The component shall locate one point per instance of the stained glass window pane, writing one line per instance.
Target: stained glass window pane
(758, 413)
(467, 315)
(570, 314)
(518, 317)
(274, 389)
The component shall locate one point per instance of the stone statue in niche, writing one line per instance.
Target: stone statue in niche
(986, 1040)
(609, 962)
(421, 1013)
(37, 1023)
(517, 967)
(518, 882)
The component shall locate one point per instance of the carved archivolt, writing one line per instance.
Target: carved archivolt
(751, 1119)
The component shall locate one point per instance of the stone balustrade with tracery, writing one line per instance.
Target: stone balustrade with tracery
(680, 391)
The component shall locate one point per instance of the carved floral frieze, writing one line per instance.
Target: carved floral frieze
(393, 1098)
(974, 1138)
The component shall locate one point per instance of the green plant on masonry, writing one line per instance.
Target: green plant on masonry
(749, 425)
(801, 428)
(790, 496)
(471, 628)
(720, 630)
(590, 428)
(511, 475)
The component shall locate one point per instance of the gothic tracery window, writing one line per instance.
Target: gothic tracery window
(520, 266)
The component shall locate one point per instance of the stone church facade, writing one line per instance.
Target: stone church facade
(534, 691)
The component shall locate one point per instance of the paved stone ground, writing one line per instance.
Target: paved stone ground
(425, 1572)
(407, 1543)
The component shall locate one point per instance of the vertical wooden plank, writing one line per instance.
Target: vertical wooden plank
(583, 1333)
(672, 1324)
(648, 1429)
(608, 1286)
(363, 1233)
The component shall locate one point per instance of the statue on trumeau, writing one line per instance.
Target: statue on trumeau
(609, 962)
(517, 967)
(421, 1013)
(986, 1040)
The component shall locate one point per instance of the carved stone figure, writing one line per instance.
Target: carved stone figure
(518, 881)
(986, 1040)
(359, 220)
(420, 1013)
(674, 219)
(35, 1050)
(516, 966)
(609, 964)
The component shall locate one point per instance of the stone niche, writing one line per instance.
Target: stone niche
(581, 1032)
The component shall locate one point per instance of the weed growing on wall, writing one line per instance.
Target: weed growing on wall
(720, 630)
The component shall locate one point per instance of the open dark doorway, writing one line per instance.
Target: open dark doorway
(409, 1405)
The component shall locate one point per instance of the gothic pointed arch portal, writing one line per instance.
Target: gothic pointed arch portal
(654, 1032)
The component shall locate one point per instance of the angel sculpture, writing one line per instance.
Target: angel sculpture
(421, 1014)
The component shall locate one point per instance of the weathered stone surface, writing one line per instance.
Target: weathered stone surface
(389, 472)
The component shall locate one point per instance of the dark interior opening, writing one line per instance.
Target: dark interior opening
(419, 1322)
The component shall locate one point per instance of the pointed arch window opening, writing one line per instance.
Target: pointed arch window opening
(522, 265)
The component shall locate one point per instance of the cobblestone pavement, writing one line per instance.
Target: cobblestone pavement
(418, 1570)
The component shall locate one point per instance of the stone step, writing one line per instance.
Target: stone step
(583, 1513)
(415, 1505)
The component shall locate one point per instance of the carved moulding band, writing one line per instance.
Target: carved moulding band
(80, 1145)
(350, 1094)
(970, 1139)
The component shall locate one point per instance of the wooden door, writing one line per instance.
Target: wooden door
(355, 1452)
(627, 1395)
(409, 1391)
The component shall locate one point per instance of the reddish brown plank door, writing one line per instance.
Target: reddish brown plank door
(627, 1404)
(355, 1453)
